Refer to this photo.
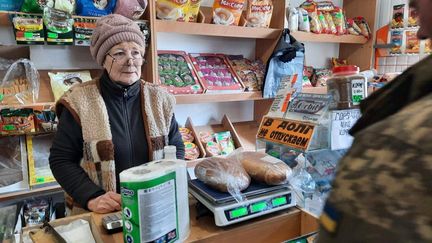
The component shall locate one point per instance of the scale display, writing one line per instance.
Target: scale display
(257, 207)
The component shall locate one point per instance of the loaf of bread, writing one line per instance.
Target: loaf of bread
(222, 174)
(265, 168)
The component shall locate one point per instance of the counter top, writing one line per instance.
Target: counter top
(276, 227)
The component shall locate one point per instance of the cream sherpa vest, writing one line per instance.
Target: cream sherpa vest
(88, 108)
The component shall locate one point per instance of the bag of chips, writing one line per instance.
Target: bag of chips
(227, 12)
(259, 13)
(95, 7)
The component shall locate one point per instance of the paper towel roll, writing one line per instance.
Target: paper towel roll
(155, 202)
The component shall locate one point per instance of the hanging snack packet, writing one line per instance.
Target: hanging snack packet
(227, 12)
(339, 20)
(192, 10)
(412, 18)
(293, 19)
(330, 22)
(364, 26)
(352, 27)
(396, 40)
(304, 24)
(398, 16)
(259, 13)
(428, 46)
(323, 22)
(412, 43)
(315, 24)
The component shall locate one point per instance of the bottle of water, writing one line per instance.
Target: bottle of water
(170, 152)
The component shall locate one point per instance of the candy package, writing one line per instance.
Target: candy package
(321, 75)
(315, 24)
(339, 21)
(398, 16)
(95, 7)
(28, 29)
(58, 27)
(132, 9)
(259, 13)
(227, 12)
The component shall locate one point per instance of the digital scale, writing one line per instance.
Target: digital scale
(261, 200)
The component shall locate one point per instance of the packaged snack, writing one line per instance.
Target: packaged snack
(28, 29)
(17, 121)
(67, 6)
(309, 6)
(83, 29)
(45, 119)
(308, 72)
(38, 150)
(62, 81)
(315, 24)
(206, 137)
(364, 26)
(227, 12)
(36, 212)
(259, 13)
(132, 9)
(352, 27)
(412, 43)
(250, 73)
(396, 40)
(20, 84)
(428, 46)
(304, 24)
(10, 5)
(95, 8)
(337, 62)
(225, 142)
(321, 75)
(398, 16)
(58, 27)
(293, 19)
(325, 6)
(339, 21)
(212, 148)
(191, 151)
(171, 9)
(215, 73)
(192, 11)
(33, 6)
(186, 135)
(412, 18)
(323, 23)
(330, 22)
(176, 73)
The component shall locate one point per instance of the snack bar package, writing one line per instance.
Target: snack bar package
(259, 13)
(62, 81)
(412, 43)
(396, 40)
(171, 9)
(227, 12)
(176, 73)
(398, 16)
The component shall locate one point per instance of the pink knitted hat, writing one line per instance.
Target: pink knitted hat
(110, 31)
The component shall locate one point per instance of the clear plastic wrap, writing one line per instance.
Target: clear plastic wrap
(265, 168)
(10, 161)
(20, 84)
(224, 174)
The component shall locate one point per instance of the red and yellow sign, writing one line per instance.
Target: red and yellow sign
(294, 134)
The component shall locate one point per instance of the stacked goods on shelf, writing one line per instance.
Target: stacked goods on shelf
(215, 73)
(220, 143)
(36, 119)
(176, 73)
(191, 149)
(325, 18)
(251, 73)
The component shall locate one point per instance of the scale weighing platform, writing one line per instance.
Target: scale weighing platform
(261, 200)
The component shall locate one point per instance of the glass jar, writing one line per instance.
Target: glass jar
(347, 87)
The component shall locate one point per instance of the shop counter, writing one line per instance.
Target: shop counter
(276, 227)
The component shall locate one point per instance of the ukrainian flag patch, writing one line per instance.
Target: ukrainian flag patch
(330, 218)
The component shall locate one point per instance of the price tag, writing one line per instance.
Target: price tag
(341, 123)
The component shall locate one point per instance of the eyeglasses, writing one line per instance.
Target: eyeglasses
(122, 57)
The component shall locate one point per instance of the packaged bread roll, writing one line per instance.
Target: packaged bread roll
(223, 174)
(265, 168)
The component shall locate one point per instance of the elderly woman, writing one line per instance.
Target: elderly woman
(111, 123)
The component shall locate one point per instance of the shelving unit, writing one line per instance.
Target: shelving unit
(214, 98)
(32, 192)
(327, 38)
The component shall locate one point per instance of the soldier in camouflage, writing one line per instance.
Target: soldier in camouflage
(383, 187)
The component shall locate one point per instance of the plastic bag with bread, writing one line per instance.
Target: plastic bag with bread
(265, 168)
(223, 174)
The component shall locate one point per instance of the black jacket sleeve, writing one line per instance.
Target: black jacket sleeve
(175, 139)
(65, 156)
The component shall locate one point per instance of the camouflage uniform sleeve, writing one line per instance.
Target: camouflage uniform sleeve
(383, 187)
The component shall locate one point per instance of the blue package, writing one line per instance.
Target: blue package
(95, 8)
(11, 5)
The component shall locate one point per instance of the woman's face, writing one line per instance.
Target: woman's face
(123, 62)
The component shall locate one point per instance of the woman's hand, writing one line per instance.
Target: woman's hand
(106, 203)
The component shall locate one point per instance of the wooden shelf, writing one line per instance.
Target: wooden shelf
(315, 90)
(327, 38)
(32, 192)
(247, 132)
(216, 30)
(214, 98)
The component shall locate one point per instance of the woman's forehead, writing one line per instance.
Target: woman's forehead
(126, 46)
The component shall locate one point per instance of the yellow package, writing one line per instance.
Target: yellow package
(227, 12)
(192, 11)
(171, 9)
(259, 13)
